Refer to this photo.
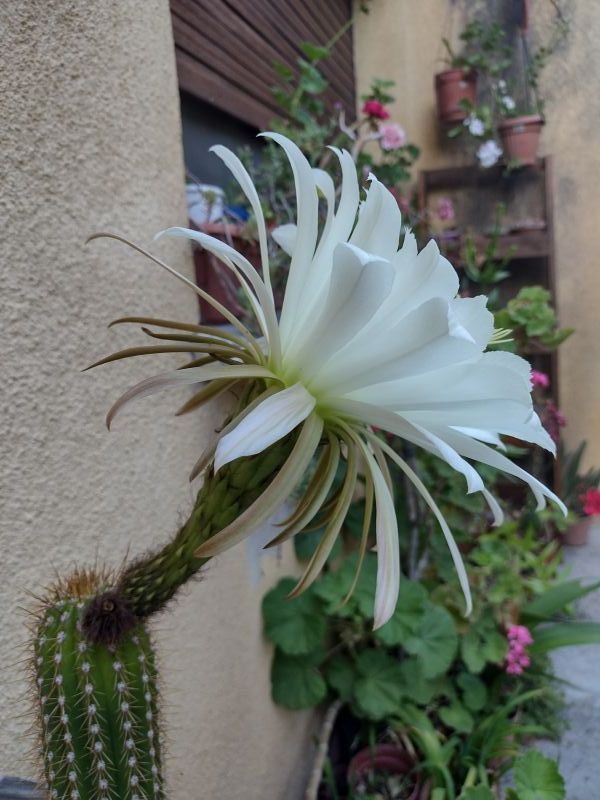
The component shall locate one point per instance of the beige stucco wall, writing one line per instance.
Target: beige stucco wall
(91, 140)
(402, 41)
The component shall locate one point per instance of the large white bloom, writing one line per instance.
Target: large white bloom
(370, 335)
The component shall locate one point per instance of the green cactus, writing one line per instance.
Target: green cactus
(97, 703)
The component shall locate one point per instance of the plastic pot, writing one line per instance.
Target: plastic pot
(389, 759)
(451, 87)
(520, 138)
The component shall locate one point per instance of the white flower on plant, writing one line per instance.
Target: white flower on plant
(392, 136)
(371, 335)
(502, 85)
(508, 102)
(475, 125)
(489, 153)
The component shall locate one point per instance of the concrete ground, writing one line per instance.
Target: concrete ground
(578, 751)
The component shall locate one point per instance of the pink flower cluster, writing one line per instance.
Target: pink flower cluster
(553, 420)
(591, 502)
(393, 136)
(539, 379)
(375, 109)
(517, 659)
(445, 209)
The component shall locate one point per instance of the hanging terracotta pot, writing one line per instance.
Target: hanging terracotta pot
(520, 138)
(451, 87)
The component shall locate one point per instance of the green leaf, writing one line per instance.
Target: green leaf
(457, 717)
(411, 607)
(565, 634)
(421, 689)
(296, 682)
(334, 587)
(314, 52)
(477, 793)
(305, 545)
(296, 625)
(434, 641)
(283, 71)
(556, 598)
(537, 778)
(340, 674)
(311, 81)
(474, 691)
(378, 688)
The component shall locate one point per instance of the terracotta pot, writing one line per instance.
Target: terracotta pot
(520, 138)
(452, 86)
(388, 758)
(578, 534)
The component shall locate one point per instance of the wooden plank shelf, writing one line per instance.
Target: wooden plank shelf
(520, 246)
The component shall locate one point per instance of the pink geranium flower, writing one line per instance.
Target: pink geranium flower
(519, 638)
(445, 209)
(393, 136)
(373, 108)
(539, 379)
(591, 502)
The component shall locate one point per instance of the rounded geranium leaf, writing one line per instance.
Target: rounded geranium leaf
(379, 687)
(296, 681)
(537, 778)
(296, 625)
(434, 641)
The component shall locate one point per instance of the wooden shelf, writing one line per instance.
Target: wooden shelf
(521, 246)
(474, 175)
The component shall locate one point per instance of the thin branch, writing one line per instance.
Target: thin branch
(322, 747)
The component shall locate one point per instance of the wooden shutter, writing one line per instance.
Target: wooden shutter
(225, 50)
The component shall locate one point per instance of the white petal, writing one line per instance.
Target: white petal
(378, 228)
(473, 315)
(454, 551)
(267, 317)
(240, 173)
(481, 452)
(359, 284)
(307, 205)
(273, 419)
(285, 237)
(388, 550)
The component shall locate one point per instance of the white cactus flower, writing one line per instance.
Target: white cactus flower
(370, 335)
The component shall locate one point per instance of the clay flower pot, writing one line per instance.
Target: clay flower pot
(452, 86)
(520, 138)
(578, 534)
(389, 759)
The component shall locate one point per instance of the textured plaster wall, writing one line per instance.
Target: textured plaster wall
(91, 140)
(396, 40)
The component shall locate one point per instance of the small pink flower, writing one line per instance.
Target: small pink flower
(539, 379)
(514, 669)
(373, 108)
(591, 502)
(393, 136)
(553, 420)
(520, 634)
(445, 209)
(517, 659)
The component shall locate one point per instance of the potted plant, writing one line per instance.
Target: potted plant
(581, 491)
(484, 53)
(385, 770)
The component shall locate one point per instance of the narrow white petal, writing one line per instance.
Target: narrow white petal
(270, 421)
(285, 237)
(454, 551)
(267, 317)
(307, 205)
(388, 549)
(378, 228)
(473, 315)
(240, 173)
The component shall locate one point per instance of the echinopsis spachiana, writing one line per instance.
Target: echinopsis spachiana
(97, 702)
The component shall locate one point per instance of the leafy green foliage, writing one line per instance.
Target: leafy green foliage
(532, 319)
(295, 625)
(296, 681)
(378, 687)
(537, 778)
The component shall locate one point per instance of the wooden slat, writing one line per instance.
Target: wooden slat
(225, 50)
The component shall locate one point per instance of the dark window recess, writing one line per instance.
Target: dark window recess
(225, 50)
